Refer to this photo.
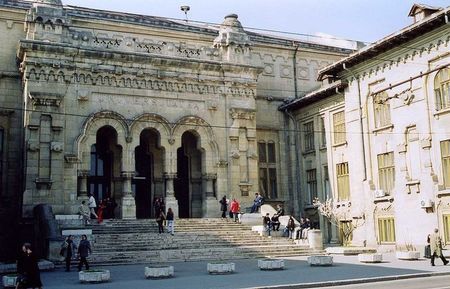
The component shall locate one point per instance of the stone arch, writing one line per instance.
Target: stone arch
(206, 140)
(89, 130)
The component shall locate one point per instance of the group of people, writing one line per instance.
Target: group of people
(105, 209)
(169, 218)
(273, 223)
(233, 208)
(69, 251)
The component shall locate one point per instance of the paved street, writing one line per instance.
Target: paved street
(437, 282)
(193, 275)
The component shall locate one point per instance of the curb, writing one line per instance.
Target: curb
(353, 281)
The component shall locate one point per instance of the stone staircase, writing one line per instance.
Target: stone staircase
(138, 241)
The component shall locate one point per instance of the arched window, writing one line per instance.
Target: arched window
(382, 110)
(442, 89)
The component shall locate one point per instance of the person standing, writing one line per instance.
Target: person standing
(84, 213)
(223, 206)
(160, 219)
(68, 250)
(101, 210)
(170, 221)
(84, 249)
(28, 269)
(92, 204)
(234, 209)
(436, 247)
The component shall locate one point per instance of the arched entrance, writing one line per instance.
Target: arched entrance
(188, 185)
(147, 183)
(105, 161)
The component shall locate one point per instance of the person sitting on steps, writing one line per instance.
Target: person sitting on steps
(258, 202)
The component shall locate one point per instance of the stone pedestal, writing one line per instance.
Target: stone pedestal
(171, 201)
(315, 239)
(370, 258)
(407, 255)
(268, 264)
(94, 276)
(9, 281)
(221, 268)
(320, 260)
(159, 272)
(128, 207)
(211, 208)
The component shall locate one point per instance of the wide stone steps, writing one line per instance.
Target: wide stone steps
(137, 241)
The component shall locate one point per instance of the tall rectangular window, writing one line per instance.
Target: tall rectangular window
(323, 137)
(267, 169)
(445, 155)
(343, 183)
(382, 110)
(311, 181)
(339, 128)
(386, 230)
(326, 183)
(308, 133)
(446, 222)
(386, 172)
(442, 89)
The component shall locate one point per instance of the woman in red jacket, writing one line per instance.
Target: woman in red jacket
(234, 208)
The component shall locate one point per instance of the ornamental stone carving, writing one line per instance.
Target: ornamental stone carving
(57, 147)
(232, 33)
(33, 146)
(239, 113)
(235, 154)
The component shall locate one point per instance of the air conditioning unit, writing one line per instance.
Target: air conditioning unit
(426, 203)
(380, 193)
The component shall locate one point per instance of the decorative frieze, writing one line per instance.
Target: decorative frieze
(46, 99)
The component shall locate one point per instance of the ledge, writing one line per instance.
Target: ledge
(438, 113)
(348, 251)
(340, 144)
(443, 193)
(382, 128)
(384, 199)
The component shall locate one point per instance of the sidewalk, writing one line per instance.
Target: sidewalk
(193, 275)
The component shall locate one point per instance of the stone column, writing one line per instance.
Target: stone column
(128, 202)
(210, 203)
(82, 194)
(171, 201)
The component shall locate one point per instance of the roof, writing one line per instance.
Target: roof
(314, 96)
(405, 35)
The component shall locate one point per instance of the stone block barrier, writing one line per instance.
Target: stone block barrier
(320, 260)
(407, 255)
(370, 258)
(9, 281)
(94, 276)
(221, 268)
(269, 264)
(159, 271)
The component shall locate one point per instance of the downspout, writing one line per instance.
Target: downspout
(360, 119)
(294, 63)
(296, 197)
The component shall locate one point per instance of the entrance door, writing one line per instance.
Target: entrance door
(142, 183)
(188, 189)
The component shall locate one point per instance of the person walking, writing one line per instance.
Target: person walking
(28, 269)
(234, 209)
(436, 247)
(84, 213)
(170, 221)
(160, 219)
(84, 249)
(68, 249)
(92, 204)
(223, 206)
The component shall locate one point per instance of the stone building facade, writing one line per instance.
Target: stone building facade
(136, 107)
(387, 127)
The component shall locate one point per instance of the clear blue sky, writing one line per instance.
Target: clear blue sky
(363, 20)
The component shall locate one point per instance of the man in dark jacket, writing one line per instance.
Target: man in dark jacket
(84, 249)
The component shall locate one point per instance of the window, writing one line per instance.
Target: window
(339, 128)
(267, 170)
(382, 110)
(446, 229)
(323, 138)
(386, 230)
(311, 181)
(326, 183)
(386, 172)
(343, 182)
(308, 132)
(442, 89)
(445, 155)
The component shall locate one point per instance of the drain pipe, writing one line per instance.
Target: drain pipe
(360, 119)
(296, 197)
(294, 62)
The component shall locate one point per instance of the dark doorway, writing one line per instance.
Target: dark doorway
(102, 163)
(143, 182)
(188, 190)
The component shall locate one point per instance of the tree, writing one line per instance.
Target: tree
(346, 219)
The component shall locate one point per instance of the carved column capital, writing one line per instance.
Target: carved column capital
(83, 173)
(127, 174)
(170, 176)
(209, 177)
